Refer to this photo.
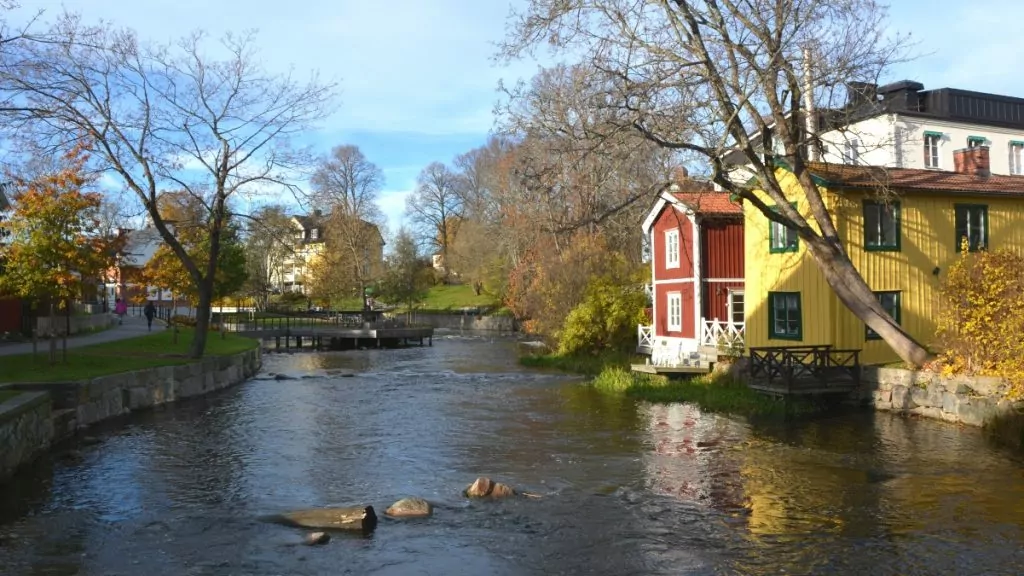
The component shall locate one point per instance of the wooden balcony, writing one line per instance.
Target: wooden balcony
(722, 334)
(804, 370)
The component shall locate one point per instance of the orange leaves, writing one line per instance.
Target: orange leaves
(54, 244)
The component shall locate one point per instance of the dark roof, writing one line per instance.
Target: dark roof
(308, 222)
(910, 179)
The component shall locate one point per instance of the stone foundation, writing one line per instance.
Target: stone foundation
(974, 401)
(60, 409)
(471, 322)
(26, 429)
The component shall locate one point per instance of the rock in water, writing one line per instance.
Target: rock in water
(353, 518)
(317, 538)
(410, 508)
(486, 488)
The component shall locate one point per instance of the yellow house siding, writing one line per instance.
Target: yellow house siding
(786, 272)
(927, 242)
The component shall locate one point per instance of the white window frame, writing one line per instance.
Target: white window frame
(732, 294)
(670, 236)
(851, 151)
(1016, 158)
(937, 156)
(674, 301)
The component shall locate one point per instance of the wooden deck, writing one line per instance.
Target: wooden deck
(804, 370)
(336, 332)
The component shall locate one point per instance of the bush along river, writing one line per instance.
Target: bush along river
(625, 487)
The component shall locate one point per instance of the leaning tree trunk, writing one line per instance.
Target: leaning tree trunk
(851, 289)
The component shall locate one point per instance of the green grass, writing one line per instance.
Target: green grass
(588, 365)
(712, 392)
(151, 350)
(455, 297)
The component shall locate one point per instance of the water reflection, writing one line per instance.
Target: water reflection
(628, 488)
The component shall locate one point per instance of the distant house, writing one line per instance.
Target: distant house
(695, 236)
(309, 242)
(902, 229)
(122, 280)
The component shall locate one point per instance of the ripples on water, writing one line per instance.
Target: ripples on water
(629, 489)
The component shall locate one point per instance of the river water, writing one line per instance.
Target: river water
(628, 488)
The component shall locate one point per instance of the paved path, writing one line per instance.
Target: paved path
(133, 326)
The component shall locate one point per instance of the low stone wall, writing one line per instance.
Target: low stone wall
(26, 429)
(456, 321)
(973, 401)
(78, 323)
(72, 406)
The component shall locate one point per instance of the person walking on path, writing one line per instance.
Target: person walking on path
(120, 309)
(150, 312)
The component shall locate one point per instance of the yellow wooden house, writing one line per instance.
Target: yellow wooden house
(901, 227)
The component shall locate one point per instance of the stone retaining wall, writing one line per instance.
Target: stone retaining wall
(78, 323)
(457, 321)
(973, 401)
(26, 430)
(71, 406)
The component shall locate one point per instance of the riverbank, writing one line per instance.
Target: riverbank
(41, 411)
(717, 392)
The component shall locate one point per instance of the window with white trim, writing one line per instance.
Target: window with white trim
(672, 249)
(931, 149)
(1016, 156)
(675, 312)
(851, 151)
(736, 306)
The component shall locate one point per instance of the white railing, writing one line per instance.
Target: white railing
(645, 336)
(722, 333)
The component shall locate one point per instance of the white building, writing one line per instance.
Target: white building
(902, 125)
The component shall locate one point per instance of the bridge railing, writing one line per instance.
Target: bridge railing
(793, 366)
(307, 321)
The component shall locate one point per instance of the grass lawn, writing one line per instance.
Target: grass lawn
(588, 365)
(151, 350)
(455, 297)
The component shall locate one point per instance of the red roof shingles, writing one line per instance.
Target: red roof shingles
(911, 179)
(710, 203)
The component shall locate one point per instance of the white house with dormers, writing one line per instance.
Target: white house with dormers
(902, 125)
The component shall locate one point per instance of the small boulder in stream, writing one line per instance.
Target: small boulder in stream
(283, 377)
(484, 487)
(316, 538)
(410, 508)
(352, 518)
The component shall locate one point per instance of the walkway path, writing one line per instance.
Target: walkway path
(133, 326)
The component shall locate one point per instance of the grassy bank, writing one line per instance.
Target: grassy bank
(151, 350)
(454, 297)
(712, 392)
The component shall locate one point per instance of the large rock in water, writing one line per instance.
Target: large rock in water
(410, 508)
(352, 518)
(484, 487)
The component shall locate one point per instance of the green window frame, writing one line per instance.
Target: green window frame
(890, 301)
(785, 319)
(782, 239)
(882, 226)
(971, 220)
(973, 141)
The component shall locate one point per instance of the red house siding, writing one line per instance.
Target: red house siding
(668, 219)
(721, 258)
(10, 315)
(661, 322)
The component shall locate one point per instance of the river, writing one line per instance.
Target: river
(628, 488)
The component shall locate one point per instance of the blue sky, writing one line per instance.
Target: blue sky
(418, 85)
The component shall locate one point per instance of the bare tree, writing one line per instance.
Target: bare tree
(164, 116)
(436, 207)
(712, 77)
(268, 244)
(345, 187)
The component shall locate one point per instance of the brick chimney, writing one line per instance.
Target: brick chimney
(973, 161)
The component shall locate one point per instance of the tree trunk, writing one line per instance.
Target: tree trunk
(851, 289)
(203, 307)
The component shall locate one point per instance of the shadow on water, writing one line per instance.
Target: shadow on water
(627, 487)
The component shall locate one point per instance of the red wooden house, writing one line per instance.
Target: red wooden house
(696, 239)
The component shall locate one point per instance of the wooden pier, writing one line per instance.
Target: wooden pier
(804, 370)
(333, 332)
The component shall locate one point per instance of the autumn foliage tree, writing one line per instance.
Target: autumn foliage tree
(54, 247)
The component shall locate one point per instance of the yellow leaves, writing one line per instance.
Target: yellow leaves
(980, 319)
